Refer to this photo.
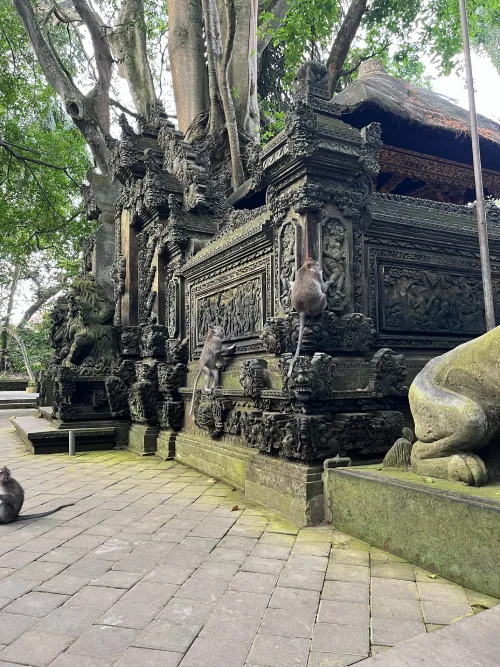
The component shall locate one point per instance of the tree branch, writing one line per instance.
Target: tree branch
(117, 104)
(343, 40)
(278, 8)
(42, 300)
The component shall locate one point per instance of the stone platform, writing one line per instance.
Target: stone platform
(43, 437)
(17, 400)
(444, 526)
(158, 565)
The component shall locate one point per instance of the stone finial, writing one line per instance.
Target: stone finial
(370, 67)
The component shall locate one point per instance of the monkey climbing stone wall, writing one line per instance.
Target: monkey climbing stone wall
(455, 402)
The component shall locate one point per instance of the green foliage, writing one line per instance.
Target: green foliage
(37, 341)
(43, 158)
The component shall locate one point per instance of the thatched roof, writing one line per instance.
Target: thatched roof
(374, 87)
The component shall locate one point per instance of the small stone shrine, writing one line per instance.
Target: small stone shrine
(390, 225)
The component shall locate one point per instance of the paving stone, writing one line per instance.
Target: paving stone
(389, 631)
(219, 571)
(215, 652)
(116, 579)
(37, 649)
(283, 598)
(36, 604)
(235, 628)
(317, 659)
(439, 612)
(38, 571)
(208, 590)
(344, 613)
(69, 621)
(41, 545)
(383, 606)
(264, 550)
(254, 582)
(104, 641)
(213, 527)
(97, 597)
(301, 548)
(306, 579)
(220, 555)
(127, 614)
(311, 563)
(64, 584)
(17, 559)
(89, 567)
(168, 636)
(11, 588)
(144, 657)
(345, 572)
(345, 591)
(246, 531)
(380, 554)
(439, 592)
(241, 602)
(149, 593)
(11, 626)
(277, 540)
(201, 545)
(245, 544)
(64, 555)
(394, 588)
(392, 570)
(350, 557)
(274, 651)
(73, 660)
(320, 534)
(289, 622)
(343, 639)
(194, 612)
(262, 565)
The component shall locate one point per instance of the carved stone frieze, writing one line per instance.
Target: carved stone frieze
(210, 410)
(334, 261)
(152, 342)
(130, 341)
(286, 264)
(253, 377)
(118, 385)
(311, 379)
(371, 143)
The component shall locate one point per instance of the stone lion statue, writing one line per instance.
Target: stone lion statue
(455, 403)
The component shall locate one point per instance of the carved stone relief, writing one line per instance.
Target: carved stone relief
(432, 301)
(238, 310)
(286, 264)
(334, 259)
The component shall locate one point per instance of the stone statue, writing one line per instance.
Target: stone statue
(455, 402)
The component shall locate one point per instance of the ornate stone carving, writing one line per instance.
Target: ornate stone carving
(371, 143)
(129, 341)
(388, 373)
(118, 385)
(153, 340)
(144, 396)
(287, 264)
(273, 336)
(253, 377)
(210, 410)
(311, 379)
(432, 301)
(308, 439)
(334, 258)
(355, 333)
(238, 310)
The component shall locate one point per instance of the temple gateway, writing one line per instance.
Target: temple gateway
(379, 182)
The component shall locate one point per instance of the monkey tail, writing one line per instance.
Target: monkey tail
(194, 392)
(299, 343)
(21, 517)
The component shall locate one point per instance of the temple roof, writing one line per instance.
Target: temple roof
(407, 104)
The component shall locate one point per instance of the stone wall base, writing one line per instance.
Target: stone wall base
(142, 439)
(165, 447)
(293, 490)
(445, 527)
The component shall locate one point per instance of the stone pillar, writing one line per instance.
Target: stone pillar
(130, 298)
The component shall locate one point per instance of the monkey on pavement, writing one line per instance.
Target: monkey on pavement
(308, 294)
(12, 499)
(211, 360)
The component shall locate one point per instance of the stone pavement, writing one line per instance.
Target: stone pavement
(159, 565)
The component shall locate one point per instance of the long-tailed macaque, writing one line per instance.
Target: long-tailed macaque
(211, 360)
(12, 499)
(308, 297)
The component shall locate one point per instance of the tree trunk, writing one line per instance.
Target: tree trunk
(343, 41)
(6, 322)
(186, 49)
(129, 46)
(243, 67)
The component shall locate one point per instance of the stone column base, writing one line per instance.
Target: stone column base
(142, 439)
(166, 444)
